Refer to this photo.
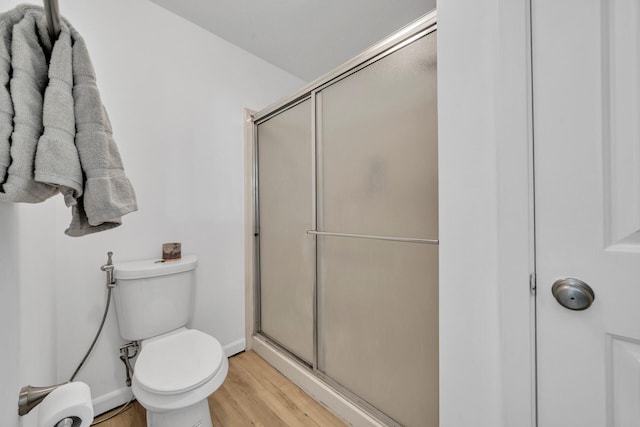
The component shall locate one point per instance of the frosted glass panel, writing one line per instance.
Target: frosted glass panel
(378, 324)
(378, 153)
(287, 253)
(377, 174)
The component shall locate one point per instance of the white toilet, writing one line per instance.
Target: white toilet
(177, 368)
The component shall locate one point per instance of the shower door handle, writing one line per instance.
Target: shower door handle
(368, 236)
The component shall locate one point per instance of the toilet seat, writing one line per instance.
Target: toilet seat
(178, 362)
(156, 401)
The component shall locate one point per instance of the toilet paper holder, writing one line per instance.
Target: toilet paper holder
(69, 422)
(31, 396)
(64, 405)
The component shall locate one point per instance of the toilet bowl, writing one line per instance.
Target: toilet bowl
(177, 367)
(175, 371)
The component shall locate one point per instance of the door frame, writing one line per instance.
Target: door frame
(516, 214)
(487, 309)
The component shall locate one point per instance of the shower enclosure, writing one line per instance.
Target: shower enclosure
(346, 228)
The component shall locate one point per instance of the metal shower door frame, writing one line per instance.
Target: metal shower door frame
(409, 34)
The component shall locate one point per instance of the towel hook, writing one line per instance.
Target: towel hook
(52, 11)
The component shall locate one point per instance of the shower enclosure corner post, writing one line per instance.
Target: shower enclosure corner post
(250, 241)
(316, 166)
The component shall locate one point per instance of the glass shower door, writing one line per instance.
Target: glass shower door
(287, 253)
(377, 183)
(347, 233)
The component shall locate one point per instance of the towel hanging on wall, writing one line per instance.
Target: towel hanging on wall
(55, 135)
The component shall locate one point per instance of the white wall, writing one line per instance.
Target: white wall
(9, 317)
(486, 350)
(469, 314)
(27, 300)
(36, 260)
(175, 95)
(27, 304)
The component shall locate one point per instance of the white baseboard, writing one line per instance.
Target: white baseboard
(313, 386)
(235, 347)
(111, 400)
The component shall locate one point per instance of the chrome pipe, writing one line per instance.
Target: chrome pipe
(30, 397)
(52, 11)
(368, 236)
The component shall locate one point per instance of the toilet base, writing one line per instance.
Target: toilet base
(196, 415)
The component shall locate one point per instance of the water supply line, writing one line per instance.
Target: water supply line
(125, 357)
(111, 283)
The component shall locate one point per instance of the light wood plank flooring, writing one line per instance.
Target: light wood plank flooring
(254, 394)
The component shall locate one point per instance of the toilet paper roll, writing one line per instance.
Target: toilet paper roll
(71, 400)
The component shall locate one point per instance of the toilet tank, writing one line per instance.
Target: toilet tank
(153, 297)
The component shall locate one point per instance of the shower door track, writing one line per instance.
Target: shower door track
(337, 388)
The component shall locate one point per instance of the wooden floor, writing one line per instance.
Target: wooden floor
(254, 394)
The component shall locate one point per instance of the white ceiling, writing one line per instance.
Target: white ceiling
(307, 38)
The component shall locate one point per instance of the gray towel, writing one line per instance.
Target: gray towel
(57, 161)
(62, 138)
(29, 46)
(108, 194)
(7, 21)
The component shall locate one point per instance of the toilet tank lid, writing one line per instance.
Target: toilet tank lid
(154, 267)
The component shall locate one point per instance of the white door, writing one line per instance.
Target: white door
(586, 91)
